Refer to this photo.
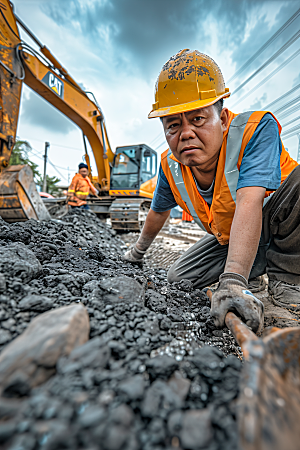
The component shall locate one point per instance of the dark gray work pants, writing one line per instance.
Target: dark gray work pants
(278, 253)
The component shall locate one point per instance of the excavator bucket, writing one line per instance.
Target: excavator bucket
(19, 198)
(269, 402)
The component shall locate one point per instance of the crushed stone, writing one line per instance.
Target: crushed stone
(156, 373)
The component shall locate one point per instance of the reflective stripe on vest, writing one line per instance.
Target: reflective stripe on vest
(82, 193)
(233, 148)
(178, 179)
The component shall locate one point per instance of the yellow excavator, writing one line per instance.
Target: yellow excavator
(125, 179)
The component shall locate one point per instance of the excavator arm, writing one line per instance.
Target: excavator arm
(74, 103)
(43, 73)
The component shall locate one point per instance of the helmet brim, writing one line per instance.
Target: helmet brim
(184, 107)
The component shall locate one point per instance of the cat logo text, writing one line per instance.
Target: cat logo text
(54, 83)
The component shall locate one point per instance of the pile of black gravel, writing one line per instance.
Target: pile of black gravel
(152, 376)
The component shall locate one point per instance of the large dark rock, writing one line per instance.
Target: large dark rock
(193, 428)
(160, 399)
(16, 260)
(156, 301)
(34, 302)
(132, 388)
(161, 367)
(209, 362)
(92, 354)
(117, 434)
(196, 432)
(121, 290)
(179, 385)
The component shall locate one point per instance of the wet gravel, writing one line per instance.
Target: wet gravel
(155, 374)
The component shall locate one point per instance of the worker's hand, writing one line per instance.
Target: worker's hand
(134, 255)
(233, 295)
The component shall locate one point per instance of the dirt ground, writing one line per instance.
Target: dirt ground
(276, 316)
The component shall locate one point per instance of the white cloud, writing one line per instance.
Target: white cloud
(118, 52)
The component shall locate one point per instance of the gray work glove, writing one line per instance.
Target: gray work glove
(134, 255)
(233, 295)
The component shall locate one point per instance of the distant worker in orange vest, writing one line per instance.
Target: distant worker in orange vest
(80, 188)
(232, 174)
(186, 217)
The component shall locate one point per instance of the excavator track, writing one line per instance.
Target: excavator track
(129, 215)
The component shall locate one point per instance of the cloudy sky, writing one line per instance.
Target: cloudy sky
(116, 49)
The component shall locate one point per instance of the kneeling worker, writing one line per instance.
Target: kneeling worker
(80, 188)
(232, 174)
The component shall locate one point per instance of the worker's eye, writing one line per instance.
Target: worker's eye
(173, 125)
(198, 118)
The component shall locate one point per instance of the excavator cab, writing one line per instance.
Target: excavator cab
(133, 167)
(133, 181)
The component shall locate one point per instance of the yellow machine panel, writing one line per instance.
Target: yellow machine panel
(122, 192)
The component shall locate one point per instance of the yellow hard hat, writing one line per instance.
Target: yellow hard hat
(189, 80)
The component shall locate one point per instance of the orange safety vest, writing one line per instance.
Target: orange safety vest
(79, 189)
(218, 218)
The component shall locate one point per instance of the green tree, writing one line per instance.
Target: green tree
(52, 187)
(20, 156)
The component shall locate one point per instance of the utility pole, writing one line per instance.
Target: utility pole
(298, 156)
(47, 145)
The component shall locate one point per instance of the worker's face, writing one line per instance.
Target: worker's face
(84, 172)
(195, 137)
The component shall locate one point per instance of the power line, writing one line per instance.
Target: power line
(287, 105)
(156, 138)
(269, 61)
(54, 167)
(291, 132)
(40, 153)
(268, 77)
(163, 143)
(295, 88)
(261, 49)
(289, 111)
(296, 133)
(65, 168)
(290, 122)
(35, 154)
(55, 145)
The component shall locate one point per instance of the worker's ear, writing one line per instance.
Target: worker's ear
(224, 117)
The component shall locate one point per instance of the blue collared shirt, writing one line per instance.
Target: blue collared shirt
(260, 166)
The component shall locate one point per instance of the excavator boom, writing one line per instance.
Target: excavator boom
(74, 104)
(43, 73)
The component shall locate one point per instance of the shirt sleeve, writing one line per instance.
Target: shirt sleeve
(261, 160)
(92, 188)
(71, 189)
(163, 198)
